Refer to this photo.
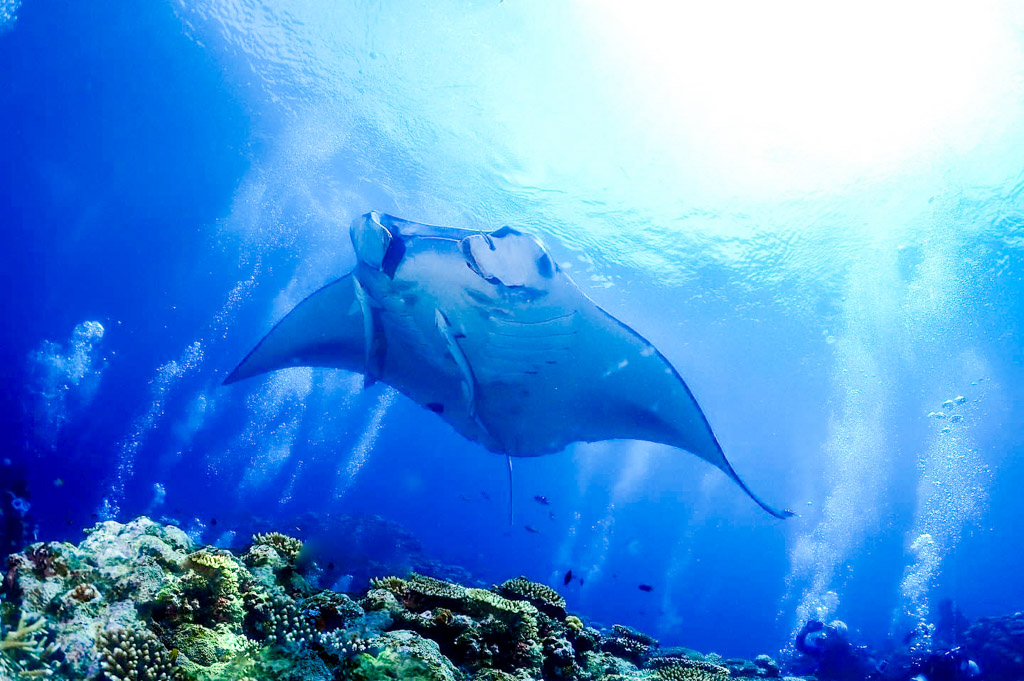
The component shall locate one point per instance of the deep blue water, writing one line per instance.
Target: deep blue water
(181, 174)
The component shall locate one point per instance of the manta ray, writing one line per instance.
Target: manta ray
(487, 331)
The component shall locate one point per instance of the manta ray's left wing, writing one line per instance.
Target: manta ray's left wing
(326, 329)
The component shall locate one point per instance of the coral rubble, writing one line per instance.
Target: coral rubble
(141, 601)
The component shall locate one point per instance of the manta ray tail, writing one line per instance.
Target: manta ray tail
(511, 505)
(783, 514)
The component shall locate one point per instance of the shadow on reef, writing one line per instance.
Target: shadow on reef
(141, 601)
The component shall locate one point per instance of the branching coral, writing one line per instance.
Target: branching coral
(540, 595)
(23, 650)
(288, 547)
(135, 655)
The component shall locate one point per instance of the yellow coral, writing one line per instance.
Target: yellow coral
(210, 561)
(574, 623)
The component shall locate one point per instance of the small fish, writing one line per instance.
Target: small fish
(59, 482)
(532, 529)
(646, 588)
(542, 500)
(485, 495)
(568, 578)
(581, 581)
(213, 521)
(330, 566)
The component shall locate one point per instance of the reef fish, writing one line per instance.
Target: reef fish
(488, 332)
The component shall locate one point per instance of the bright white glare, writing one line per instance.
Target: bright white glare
(804, 86)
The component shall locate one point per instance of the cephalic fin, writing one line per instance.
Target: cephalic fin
(444, 327)
(373, 339)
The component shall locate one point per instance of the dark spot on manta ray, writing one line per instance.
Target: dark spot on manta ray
(435, 407)
(393, 257)
(544, 267)
(646, 588)
(503, 232)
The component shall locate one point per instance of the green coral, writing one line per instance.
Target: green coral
(407, 656)
(574, 624)
(216, 579)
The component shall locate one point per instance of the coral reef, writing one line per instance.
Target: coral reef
(141, 601)
(997, 645)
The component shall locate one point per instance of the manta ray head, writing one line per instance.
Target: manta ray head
(377, 242)
(508, 257)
